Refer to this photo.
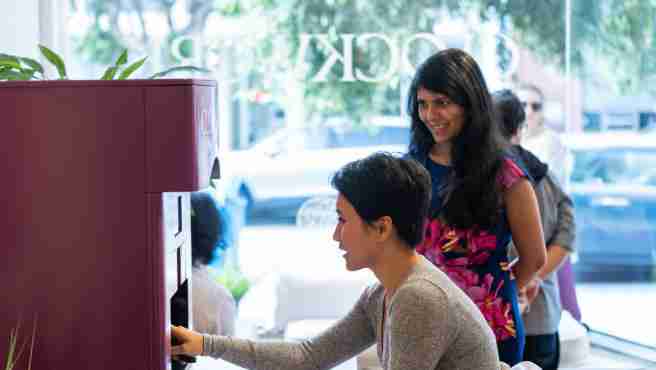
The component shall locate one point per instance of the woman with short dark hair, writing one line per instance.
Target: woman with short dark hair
(419, 319)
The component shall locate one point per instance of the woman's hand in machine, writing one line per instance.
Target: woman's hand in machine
(186, 342)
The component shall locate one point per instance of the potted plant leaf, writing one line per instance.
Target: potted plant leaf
(16, 349)
(17, 68)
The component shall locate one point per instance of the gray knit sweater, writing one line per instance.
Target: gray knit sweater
(430, 324)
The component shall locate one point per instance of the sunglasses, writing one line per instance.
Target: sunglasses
(536, 107)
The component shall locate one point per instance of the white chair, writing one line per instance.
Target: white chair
(304, 297)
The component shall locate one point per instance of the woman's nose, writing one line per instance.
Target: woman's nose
(432, 111)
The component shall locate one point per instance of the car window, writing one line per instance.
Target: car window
(308, 139)
(360, 137)
(616, 166)
(290, 140)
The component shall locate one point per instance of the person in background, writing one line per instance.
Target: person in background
(543, 309)
(213, 307)
(480, 197)
(549, 148)
(419, 319)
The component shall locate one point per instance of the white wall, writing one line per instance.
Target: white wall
(19, 27)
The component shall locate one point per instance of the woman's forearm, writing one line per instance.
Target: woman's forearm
(259, 355)
(555, 257)
(524, 272)
(343, 340)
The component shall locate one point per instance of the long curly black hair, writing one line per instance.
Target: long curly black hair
(472, 196)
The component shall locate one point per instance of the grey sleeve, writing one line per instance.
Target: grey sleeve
(421, 329)
(346, 338)
(565, 228)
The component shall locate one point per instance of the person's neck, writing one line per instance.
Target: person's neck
(441, 153)
(394, 267)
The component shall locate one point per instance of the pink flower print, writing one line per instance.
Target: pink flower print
(479, 293)
(432, 232)
(451, 239)
(478, 241)
(480, 259)
(479, 245)
(458, 272)
(496, 312)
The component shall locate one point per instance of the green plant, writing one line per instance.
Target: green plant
(16, 68)
(231, 278)
(12, 356)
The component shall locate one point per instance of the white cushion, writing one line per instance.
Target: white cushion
(317, 295)
(574, 341)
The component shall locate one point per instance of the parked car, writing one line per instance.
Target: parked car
(613, 186)
(294, 164)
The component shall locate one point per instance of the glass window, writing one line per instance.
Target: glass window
(614, 166)
(373, 136)
(286, 69)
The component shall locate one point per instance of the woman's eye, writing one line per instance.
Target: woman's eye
(442, 102)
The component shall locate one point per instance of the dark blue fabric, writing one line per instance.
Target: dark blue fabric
(543, 350)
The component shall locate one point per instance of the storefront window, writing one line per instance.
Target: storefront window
(308, 85)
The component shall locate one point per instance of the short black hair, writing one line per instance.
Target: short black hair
(384, 184)
(207, 228)
(509, 112)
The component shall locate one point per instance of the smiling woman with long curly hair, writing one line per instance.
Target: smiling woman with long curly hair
(481, 199)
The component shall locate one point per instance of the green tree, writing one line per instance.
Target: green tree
(617, 35)
(613, 40)
(106, 38)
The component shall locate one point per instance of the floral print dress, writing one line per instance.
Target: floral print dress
(477, 261)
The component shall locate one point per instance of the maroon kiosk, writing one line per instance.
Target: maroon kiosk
(95, 179)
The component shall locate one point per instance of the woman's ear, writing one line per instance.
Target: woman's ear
(384, 228)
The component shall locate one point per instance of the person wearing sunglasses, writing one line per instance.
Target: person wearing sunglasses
(538, 138)
(549, 148)
(542, 309)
